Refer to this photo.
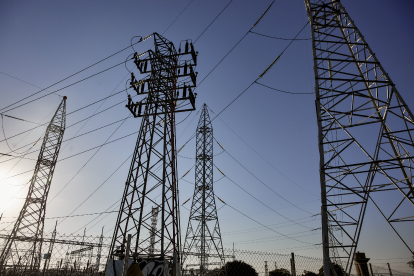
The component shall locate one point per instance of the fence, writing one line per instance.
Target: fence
(87, 255)
(377, 270)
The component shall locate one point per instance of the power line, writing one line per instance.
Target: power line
(275, 238)
(258, 229)
(264, 204)
(287, 92)
(265, 159)
(68, 77)
(280, 37)
(104, 100)
(177, 16)
(235, 46)
(233, 100)
(286, 236)
(213, 21)
(88, 105)
(61, 88)
(261, 75)
(99, 148)
(100, 186)
(95, 114)
(71, 216)
(74, 137)
(27, 82)
(267, 186)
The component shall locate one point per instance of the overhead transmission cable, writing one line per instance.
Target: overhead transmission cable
(287, 92)
(257, 229)
(267, 186)
(99, 148)
(100, 186)
(280, 38)
(80, 135)
(112, 92)
(257, 22)
(177, 17)
(27, 82)
(265, 226)
(261, 75)
(60, 89)
(213, 21)
(270, 164)
(69, 77)
(261, 202)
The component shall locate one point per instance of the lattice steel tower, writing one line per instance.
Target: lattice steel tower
(203, 237)
(152, 177)
(23, 247)
(365, 134)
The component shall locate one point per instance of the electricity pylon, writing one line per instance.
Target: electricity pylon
(24, 245)
(365, 134)
(152, 177)
(153, 229)
(203, 237)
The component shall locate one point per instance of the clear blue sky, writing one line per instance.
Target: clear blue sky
(43, 42)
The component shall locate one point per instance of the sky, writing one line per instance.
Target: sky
(273, 135)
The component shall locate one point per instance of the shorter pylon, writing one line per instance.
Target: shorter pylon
(203, 248)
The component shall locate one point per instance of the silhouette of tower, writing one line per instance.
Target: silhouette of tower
(152, 177)
(203, 237)
(24, 245)
(365, 136)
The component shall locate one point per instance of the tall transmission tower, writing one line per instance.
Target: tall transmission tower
(30, 222)
(203, 237)
(365, 134)
(152, 177)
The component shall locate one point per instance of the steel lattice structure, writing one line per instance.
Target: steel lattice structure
(30, 222)
(152, 178)
(203, 237)
(365, 134)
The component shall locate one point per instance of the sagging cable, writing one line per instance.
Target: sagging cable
(270, 66)
(257, 22)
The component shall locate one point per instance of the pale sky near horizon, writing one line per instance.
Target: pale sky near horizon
(43, 42)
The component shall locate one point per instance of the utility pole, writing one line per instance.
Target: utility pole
(30, 222)
(152, 177)
(365, 133)
(203, 237)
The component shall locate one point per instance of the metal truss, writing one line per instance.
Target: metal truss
(365, 134)
(152, 177)
(30, 222)
(203, 247)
